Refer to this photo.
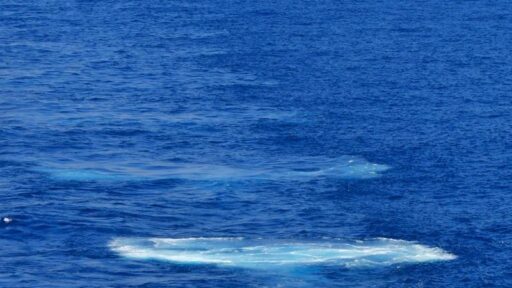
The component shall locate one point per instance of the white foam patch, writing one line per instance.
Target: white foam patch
(260, 254)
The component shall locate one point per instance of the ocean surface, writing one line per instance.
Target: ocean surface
(255, 143)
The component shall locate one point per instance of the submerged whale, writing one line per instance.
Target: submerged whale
(300, 169)
(264, 254)
(82, 174)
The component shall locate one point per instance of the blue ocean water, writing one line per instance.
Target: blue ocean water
(255, 144)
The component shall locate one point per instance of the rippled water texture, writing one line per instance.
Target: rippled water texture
(255, 144)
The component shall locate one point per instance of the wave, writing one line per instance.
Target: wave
(264, 254)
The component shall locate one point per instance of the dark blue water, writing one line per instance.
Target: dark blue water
(314, 122)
